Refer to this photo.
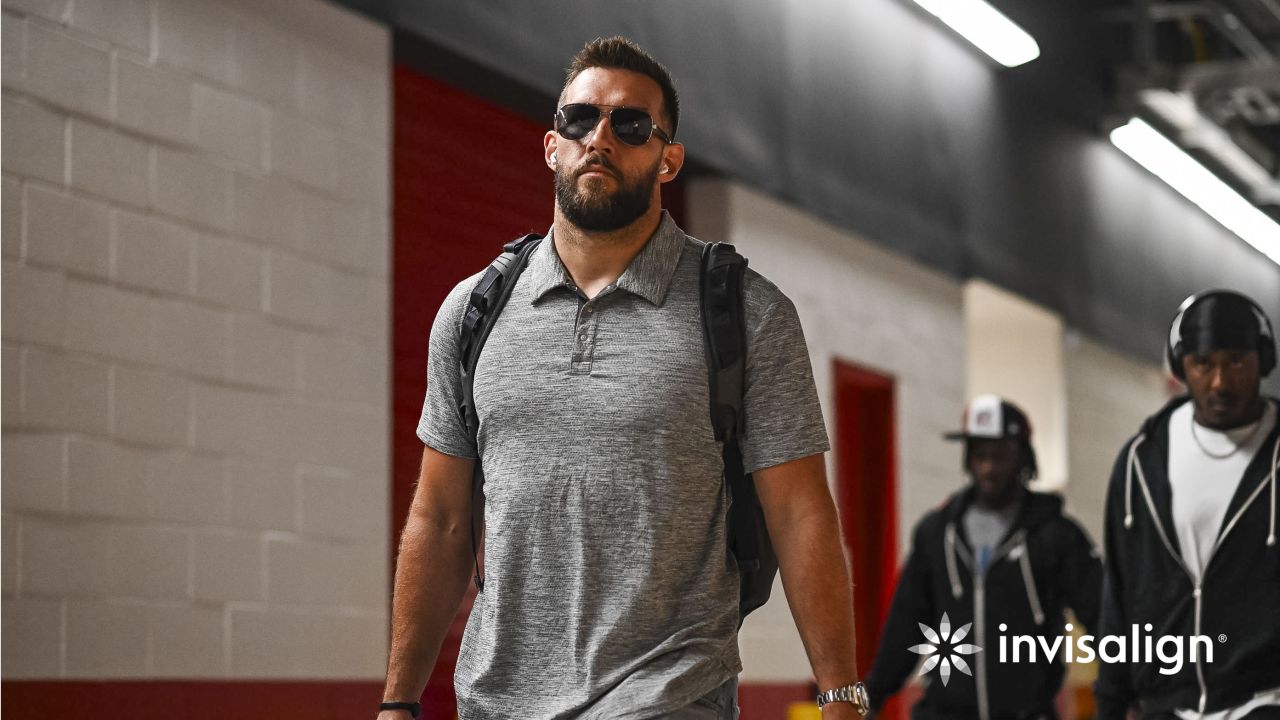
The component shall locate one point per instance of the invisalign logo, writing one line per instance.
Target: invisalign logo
(942, 659)
(1138, 647)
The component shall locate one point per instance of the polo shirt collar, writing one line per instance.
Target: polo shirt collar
(648, 275)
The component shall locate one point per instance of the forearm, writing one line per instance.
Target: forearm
(815, 576)
(432, 572)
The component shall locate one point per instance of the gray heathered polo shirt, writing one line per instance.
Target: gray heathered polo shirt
(609, 590)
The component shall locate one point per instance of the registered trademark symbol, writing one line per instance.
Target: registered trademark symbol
(1222, 638)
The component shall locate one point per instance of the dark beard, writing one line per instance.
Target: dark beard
(595, 211)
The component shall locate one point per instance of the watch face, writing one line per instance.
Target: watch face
(861, 700)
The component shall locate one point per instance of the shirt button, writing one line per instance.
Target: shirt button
(586, 310)
(582, 336)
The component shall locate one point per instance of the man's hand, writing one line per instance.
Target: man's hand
(840, 711)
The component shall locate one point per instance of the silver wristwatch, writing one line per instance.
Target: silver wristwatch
(856, 694)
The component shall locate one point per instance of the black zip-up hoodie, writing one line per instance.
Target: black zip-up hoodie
(1044, 564)
(1237, 604)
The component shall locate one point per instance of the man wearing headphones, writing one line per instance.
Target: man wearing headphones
(1190, 531)
(996, 560)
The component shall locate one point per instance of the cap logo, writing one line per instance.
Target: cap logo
(984, 421)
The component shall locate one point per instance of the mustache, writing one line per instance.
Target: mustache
(596, 162)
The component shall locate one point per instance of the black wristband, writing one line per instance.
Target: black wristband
(413, 707)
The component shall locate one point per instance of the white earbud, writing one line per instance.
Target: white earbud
(664, 169)
(553, 158)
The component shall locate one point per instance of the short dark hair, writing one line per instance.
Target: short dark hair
(622, 53)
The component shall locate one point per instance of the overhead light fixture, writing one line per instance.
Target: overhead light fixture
(1183, 173)
(1192, 130)
(987, 28)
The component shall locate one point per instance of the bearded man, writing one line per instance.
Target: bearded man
(608, 589)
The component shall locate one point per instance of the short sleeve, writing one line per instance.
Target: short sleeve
(784, 418)
(441, 426)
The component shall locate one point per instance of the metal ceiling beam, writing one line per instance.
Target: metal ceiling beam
(1204, 76)
(1230, 25)
(1157, 11)
(1272, 6)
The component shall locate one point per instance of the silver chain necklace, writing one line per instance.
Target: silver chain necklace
(1223, 456)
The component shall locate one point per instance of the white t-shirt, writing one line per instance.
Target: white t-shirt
(1204, 471)
(1205, 468)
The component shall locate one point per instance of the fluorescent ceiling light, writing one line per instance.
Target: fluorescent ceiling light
(1195, 131)
(1168, 162)
(987, 28)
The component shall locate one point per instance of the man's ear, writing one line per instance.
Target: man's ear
(672, 162)
(549, 149)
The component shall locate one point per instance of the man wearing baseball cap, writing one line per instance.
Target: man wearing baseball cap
(1190, 529)
(996, 559)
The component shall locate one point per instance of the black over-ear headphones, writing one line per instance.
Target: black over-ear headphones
(1266, 339)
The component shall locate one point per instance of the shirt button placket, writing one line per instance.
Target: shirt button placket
(583, 336)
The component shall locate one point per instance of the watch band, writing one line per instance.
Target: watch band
(855, 694)
(412, 708)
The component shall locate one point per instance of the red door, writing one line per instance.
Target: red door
(866, 472)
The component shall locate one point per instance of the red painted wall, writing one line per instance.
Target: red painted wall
(468, 177)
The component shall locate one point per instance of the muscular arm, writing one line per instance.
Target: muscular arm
(431, 574)
(815, 572)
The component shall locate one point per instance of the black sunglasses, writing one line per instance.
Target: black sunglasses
(632, 126)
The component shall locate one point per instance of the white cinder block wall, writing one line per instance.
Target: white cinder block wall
(864, 305)
(1109, 394)
(195, 339)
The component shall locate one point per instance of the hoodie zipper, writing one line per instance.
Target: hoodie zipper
(980, 604)
(1198, 592)
(980, 626)
(1155, 517)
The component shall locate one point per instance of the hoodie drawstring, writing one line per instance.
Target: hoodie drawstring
(1029, 580)
(1023, 552)
(1275, 466)
(1133, 466)
(952, 573)
(1128, 481)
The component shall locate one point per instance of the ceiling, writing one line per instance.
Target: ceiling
(1206, 72)
(873, 117)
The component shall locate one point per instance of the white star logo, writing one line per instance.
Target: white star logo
(940, 658)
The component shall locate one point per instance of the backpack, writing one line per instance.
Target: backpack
(721, 286)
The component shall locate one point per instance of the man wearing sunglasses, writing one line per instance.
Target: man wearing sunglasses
(608, 590)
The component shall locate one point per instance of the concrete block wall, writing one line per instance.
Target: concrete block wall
(1015, 351)
(1109, 394)
(195, 339)
(861, 304)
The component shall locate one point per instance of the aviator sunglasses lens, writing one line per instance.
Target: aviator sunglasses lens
(629, 125)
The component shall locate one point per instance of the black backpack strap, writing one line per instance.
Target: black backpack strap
(487, 299)
(724, 325)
